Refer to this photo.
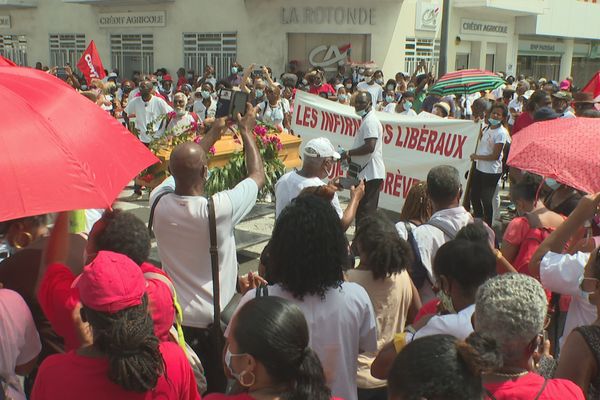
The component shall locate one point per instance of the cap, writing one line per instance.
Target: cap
(565, 85)
(198, 89)
(443, 105)
(563, 95)
(110, 283)
(167, 77)
(320, 147)
(111, 75)
(541, 81)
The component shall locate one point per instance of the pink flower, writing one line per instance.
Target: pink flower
(260, 130)
(172, 114)
(279, 146)
(212, 150)
(197, 139)
(194, 125)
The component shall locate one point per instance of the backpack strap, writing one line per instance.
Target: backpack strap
(415, 248)
(489, 394)
(542, 389)
(178, 312)
(442, 228)
(214, 261)
(151, 218)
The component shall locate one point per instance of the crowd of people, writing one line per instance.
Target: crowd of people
(432, 306)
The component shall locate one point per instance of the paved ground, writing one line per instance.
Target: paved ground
(255, 230)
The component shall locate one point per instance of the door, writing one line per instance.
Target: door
(132, 52)
(462, 61)
(489, 62)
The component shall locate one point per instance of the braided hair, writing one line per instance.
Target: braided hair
(127, 339)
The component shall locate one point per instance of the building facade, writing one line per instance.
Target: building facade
(551, 38)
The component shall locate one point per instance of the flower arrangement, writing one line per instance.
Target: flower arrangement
(235, 171)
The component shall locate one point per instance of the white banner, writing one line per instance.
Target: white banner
(412, 145)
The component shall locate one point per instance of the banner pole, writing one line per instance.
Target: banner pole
(466, 203)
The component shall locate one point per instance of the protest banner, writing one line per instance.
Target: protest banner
(411, 145)
(90, 64)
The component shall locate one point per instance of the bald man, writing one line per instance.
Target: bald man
(181, 227)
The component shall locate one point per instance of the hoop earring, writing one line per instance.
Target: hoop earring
(19, 244)
(244, 384)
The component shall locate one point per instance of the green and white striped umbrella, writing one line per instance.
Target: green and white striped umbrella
(466, 81)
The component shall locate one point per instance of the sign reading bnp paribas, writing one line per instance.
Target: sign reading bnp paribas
(132, 19)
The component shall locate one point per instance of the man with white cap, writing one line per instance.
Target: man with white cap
(319, 159)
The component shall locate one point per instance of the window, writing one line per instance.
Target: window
(417, 49)
(14, 47)
(66, 48)
(132, 53)
(216, 49)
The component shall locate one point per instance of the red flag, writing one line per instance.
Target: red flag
(593, 85)
(91, 64)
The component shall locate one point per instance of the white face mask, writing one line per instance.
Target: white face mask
(180, 112)
(237, 376)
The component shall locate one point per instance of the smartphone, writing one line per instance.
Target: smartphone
(61, 73)
(230, 102)
(347, 183)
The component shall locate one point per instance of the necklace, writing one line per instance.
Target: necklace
(509, 374)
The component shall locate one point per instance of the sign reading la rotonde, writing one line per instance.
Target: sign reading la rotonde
(328, 15)
(132, 19)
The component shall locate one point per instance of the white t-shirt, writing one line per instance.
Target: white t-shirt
(150, 112)
(458, 325)
(410, 113)
(371, 164)
(182, 234)
(200, 109)
(401, 228)
(273, 115)
(489, 139)
(375, 89)
(19, 339)
(390, 108)
(516, 105)
(341, 326)
(289, 186)
(561, 273)
(179, 125)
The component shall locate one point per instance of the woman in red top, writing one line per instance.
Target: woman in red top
(538, 99)
(318, 87)
(525, 234)
(268, 354)
(125, 360)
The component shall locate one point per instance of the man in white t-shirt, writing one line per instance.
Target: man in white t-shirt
(181, 227)
(19, 342)
(367, 152)
(404, 106)
(319, 159)
(371, 84)
(150, 114)
(515, 107)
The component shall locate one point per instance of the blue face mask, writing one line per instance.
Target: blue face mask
(205, 94)
(407, 105)
(343, 97)
(551, 183)
(389, 99)
(234, 70)
(494, 122)
(361, 113)
(259, 93)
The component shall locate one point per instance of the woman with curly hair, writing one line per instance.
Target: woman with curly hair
(307, 254)
(384, 259)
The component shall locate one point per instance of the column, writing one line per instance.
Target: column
(478, 53)
(501, 57)
(566, 61)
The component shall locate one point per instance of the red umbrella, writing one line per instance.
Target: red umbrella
(5, 62)
(565, 149)
(593, 86)
(60, 151)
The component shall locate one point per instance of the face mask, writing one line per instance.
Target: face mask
(584, 295)
(552, 184)
(379, 81)
(407, 105)
(446, 301)
(228, 356)
(494, 122)
(361, 113)
(343, 97)
(259, 93)
(190, 76)
(234, 70)
(205, 94)
(390, 87)
(304, 82)
(180, 112)
(348, 86)
(389, 99)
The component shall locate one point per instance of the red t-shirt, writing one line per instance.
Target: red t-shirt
(528, 386)
(324, 88)
(58, 302)
(522, 122)
(70, 376)
(242, 396)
